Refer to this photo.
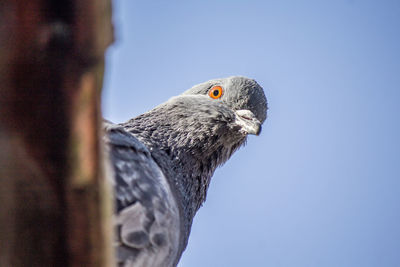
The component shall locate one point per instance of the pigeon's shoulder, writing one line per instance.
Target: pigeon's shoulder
(147, 217)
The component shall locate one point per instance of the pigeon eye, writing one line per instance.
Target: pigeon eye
(215, 92)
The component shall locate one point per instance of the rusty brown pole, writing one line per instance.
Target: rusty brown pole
(55, 207)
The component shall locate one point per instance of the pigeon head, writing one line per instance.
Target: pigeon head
(244, 96)
(206, 123)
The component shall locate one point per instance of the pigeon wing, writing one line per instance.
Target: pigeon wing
(147, 216)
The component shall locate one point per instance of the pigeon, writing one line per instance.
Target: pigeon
(162, 162)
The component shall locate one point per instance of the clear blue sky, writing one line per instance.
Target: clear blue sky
(321, 186)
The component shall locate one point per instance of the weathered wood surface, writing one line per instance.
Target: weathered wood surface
(55, 208)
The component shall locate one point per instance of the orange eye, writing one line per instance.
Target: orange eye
(216, 92)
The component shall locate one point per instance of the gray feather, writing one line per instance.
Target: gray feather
(148, 220)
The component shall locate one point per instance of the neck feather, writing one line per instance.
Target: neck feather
(188, 159)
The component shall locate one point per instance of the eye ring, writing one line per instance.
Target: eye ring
(215, 92)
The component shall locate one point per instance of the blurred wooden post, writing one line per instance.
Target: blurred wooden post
(55, 207)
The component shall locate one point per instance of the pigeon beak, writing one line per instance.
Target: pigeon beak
(248, 122)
